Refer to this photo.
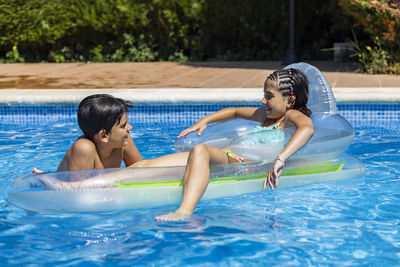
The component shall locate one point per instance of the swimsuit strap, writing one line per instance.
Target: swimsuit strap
(277, 125)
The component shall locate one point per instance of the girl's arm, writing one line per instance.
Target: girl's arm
(304, 131)
(249, 113)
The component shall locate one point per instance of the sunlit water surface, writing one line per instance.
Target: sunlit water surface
(350, 222)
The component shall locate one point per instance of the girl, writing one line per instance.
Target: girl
(285, 99)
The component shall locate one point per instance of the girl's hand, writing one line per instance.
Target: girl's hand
(198, 126)
(273, 174)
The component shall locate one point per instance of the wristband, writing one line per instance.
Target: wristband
(284, 162)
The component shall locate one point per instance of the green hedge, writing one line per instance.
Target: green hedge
(380, 19)
(152, 30)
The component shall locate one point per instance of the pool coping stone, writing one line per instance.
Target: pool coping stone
(148, 96)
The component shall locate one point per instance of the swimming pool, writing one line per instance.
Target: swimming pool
(350, 222)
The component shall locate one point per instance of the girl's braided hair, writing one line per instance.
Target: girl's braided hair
(293, 82)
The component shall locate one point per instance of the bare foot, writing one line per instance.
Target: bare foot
(34, 170)
(53, 183)
(173, 217)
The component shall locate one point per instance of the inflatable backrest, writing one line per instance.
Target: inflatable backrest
(320, 97)
(332, 133)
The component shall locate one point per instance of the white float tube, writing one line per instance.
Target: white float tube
(134, 188)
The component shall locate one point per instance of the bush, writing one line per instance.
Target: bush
(381, 20)
(93, 30)
(176, 30)
(13, 56)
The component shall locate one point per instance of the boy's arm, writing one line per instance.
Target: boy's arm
(131, 154)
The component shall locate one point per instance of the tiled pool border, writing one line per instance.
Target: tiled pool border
(356, 113)
(361, 106)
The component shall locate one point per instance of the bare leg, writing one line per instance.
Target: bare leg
(176, 159)
(196, 178)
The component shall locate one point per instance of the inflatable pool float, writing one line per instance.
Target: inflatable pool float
(152, 187)
(332, 133)
(321, 160)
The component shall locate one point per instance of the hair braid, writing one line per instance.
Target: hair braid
(293, 82)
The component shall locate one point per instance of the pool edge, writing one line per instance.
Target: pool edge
(183, 95)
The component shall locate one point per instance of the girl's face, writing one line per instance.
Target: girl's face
(275, 104)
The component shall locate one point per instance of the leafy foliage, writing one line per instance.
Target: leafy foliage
(178, 30)
(381, 20)
(86, 30)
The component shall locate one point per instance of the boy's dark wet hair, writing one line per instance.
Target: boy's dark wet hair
(100, 111)
(293, 82)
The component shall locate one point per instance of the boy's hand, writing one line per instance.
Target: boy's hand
(273, 175)
(200, 127)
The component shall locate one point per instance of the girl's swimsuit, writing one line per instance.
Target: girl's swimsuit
(234, 156)
(266, 135)
(258, 135)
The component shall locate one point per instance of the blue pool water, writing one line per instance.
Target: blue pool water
(350, 222)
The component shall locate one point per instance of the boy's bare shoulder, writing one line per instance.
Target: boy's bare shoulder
(83, 146)
(82, 155)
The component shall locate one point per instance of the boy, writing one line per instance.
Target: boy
(106, 140)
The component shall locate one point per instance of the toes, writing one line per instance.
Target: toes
(173, 217)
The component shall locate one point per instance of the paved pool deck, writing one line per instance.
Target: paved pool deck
(173, 82)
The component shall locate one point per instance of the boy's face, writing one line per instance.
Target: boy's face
(119, 134)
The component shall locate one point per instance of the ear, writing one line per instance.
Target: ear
(103, 136)
(291, 101)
